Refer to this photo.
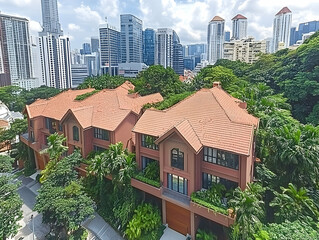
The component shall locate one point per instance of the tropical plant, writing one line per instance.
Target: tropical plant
(5, 164)
(152, 171)
(203, 235)
(294, 204)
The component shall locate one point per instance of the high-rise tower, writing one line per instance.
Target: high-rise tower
(215, 39)
(149, 46)
(239, 27)
(281, 28)
(131, 39)
(55, 52)
(164, 47)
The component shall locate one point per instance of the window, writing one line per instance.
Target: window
(47, 123)
(98, 148)
(146, 161)
(177, 158)
(148, 142)
(60, 128)
(222, 158)
(208, 179)
(101, 134)
(176, 183)
(31, 123)
(31, 136)
(76, 133)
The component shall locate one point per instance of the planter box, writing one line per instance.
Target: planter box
(146, 187)
(211, 214)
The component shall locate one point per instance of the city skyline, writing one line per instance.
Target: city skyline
(80, 21)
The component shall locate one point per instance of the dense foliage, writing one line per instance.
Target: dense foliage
(86, 95)
(102, 82)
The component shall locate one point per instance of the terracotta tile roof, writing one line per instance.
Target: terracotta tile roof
(4, 124)
(105, 109)
(214, 119)
(283, 11)
(217, 18)
(239, 16)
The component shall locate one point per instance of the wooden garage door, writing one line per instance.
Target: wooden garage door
(178, 218)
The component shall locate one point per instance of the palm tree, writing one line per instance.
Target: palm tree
(55, 150)
(249, 209)
(293, 204)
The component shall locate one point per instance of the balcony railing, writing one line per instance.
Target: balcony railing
(185, 199)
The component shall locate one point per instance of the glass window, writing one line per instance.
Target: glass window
(60, 128)
(177, 158)
(149, 142)
(221, 158)
(146, 161)
(176, 183)
(47, 123)
(76, 133)
(208, 179)
(98, 148)
(31, 123)
(101, 134)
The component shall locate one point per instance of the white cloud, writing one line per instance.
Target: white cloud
(87, 15)
(73, 26)
(110, 8)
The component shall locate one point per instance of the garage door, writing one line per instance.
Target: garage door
(178, 218)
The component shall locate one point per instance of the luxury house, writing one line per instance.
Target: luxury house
(208, 137)
(92, 124)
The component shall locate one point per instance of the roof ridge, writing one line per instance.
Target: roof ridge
(194, 130)
(180, 102)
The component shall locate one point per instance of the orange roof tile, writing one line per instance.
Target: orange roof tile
(105, 109)
(217, 18)
(283, 11)
(3, 124)
(214, 119)
(239, 16)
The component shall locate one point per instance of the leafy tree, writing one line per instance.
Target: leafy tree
(10, 96)
(6, 164)
(55, 150)
(102, 82)
(249, 209)
(10, 201)
(157, 79)
(18, 127)
(42, 92)
(294, 204)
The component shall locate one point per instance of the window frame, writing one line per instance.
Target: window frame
(148, 141)
(181, 183)
(210, 178)
(221, 158)
(145, 161)
(102, 134)
(177, 159)
(76, 133)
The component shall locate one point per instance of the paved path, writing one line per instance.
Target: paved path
(170, 234)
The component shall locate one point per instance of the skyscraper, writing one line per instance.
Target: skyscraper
(227, 36)
(149, 46)
(164, 47)
(86, 49)
(95, 44)
(239, 27)
(178, 63)
(131, 39)
(281, 28)
(303, 28)
(215, 39)
(55, 52)
(50, 17)
(15, 51)
(110, 52)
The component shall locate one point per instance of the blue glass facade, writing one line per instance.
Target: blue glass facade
(303, 28)
(149, 46)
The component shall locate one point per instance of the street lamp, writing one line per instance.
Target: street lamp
(32, 226)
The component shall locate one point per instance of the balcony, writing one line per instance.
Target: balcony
(176, 196)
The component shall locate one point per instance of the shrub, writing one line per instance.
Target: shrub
(85, 95)
(203, 235)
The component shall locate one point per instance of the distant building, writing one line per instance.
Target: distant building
(15, 51)
(86, 49)
(149, 46)
(281, 28)
(178, 63)
(55, 51)
(196, 49)
(239, 27)
(79, 73)
(303, 28)
(95, 44)
(164, 47)
(215, 39)
(110, 52)
(227, 36)
(268, 44)
(131, 70)
(92, 62)
(245, 50)
(131, 39)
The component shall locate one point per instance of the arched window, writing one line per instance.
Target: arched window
(75, 133)
(177, 158)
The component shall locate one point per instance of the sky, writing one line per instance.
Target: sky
(189, 18)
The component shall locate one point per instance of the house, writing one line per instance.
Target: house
(102, 118)
(208, 137)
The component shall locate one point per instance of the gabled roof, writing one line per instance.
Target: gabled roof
(217, 18)
(283, 11)
(209, 117)
(239, 16)
(105, 109)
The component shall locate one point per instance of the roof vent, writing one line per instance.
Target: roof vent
(217, 84)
